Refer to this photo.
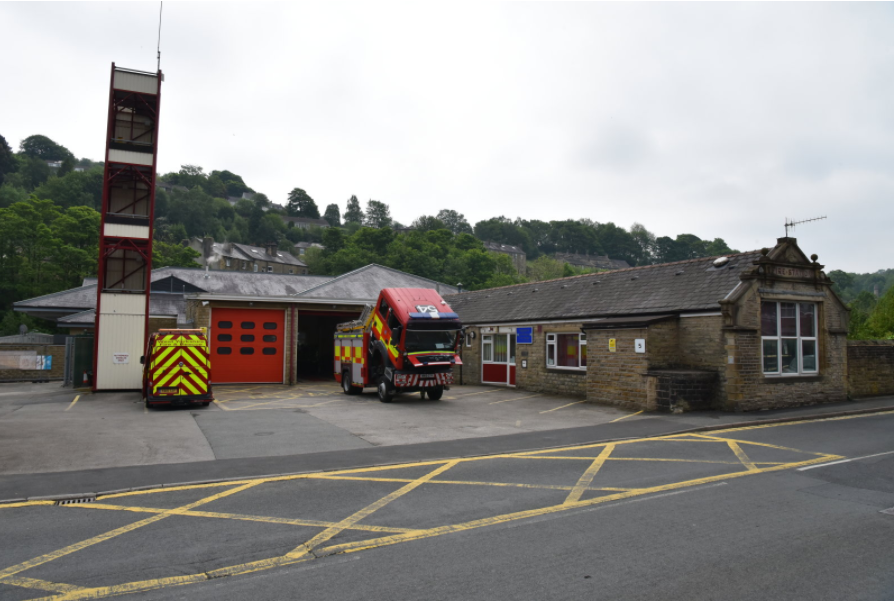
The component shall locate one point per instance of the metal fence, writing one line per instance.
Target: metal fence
(78, 360)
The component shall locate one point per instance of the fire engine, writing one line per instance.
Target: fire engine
(176, 369)
(407, 342)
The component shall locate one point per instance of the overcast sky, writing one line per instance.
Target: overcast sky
(715, 119)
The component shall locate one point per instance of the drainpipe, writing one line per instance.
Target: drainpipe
(292, 360)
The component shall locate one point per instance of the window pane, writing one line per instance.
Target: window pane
(247, 325)
(809, 355)
(224, 337)
(269, 325)
(247, 338)
(225, 324)
(512, 348)
(500, 349)
(551, 354)
(486, 351)
(269, 351)
(789, 354)
(769, 356)
(269, 338)
(583, 351)
(224, 350)
(567, 353)
(806, 319)
(787, 319)
(769, 319)
(246, 350)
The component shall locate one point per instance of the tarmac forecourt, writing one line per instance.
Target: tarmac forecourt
(320, 514)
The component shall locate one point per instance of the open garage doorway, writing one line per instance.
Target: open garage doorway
(314, 346)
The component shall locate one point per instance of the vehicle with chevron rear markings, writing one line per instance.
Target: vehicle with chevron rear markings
(407, 342)
(177, 368)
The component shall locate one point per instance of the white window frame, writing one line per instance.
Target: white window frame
(255, 267)
(799, 342)
(552, 343)
(270, 269)
(228, 262)
(488, 340)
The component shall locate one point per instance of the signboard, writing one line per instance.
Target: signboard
(792, 272)
(612, 345)
(35, 362)
(121, 358)
(524, 335)
(639, 345)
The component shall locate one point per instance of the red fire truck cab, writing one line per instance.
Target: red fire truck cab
(408, 342)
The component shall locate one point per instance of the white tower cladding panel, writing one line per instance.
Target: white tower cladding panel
(135, 82)
(130, 157)
(120, 343)
(123, 230)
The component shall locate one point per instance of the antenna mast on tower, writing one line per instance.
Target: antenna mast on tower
(789, 223)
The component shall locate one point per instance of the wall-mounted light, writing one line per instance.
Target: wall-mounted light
(204, 303)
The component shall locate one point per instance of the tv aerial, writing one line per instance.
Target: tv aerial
(789, 223)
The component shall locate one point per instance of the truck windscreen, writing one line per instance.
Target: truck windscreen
(433, 340)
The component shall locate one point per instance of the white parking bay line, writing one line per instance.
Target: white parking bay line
(811, 467)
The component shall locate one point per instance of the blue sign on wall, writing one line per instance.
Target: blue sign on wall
(524, 335)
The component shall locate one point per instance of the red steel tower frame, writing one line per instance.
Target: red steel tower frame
(126, 230)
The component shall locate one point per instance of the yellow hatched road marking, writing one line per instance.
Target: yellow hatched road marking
(588, 476)
(73, 402)
(393, 535)
(42, 584)
(354, 518)
(42, 559)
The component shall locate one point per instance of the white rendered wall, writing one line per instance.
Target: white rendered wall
(122, 323)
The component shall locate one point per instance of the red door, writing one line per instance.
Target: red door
(247, 345)
(499, 359)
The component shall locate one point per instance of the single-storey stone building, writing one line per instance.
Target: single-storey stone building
(739, 332)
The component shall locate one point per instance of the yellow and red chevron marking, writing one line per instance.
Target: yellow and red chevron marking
(180, 364)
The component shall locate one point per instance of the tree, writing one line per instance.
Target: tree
(333, 239)
(7, 159)
(880, 323)
(426, 223)
(353, 212)
(544, 268)
(646, 244)
(332, 215)
(166, 254)
(302, 205)
(41, 147)
(454, 221)
(377, 215)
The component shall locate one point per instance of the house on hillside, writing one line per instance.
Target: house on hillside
(516, 254)
(305, 223)
(230, 256)
(744, 331)
(591, 261)
(302, 247)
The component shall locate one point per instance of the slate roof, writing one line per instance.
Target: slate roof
(168, 286)
(307, 220)
(595, 261)
(366, 282)
(684, 286)
(503, 248)
(245, 252)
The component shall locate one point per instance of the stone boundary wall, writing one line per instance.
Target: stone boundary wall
(41, 375)
(870, 371)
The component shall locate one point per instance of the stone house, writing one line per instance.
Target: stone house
(739, 332)
(516, 254)
(230, 256)
(304, 223)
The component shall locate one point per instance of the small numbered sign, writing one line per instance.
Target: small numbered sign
(639, 345)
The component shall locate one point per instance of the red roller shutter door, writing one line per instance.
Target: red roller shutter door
(247, 345)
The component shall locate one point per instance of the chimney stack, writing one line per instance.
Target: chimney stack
(207, 248)
(272, 249)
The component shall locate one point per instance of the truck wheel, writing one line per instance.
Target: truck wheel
(384, 390)
(347, 388)
(435, 393)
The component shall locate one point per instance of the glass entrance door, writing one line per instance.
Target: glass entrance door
(499, 359)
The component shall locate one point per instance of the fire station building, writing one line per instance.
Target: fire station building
(262, 327)
(740, 332)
